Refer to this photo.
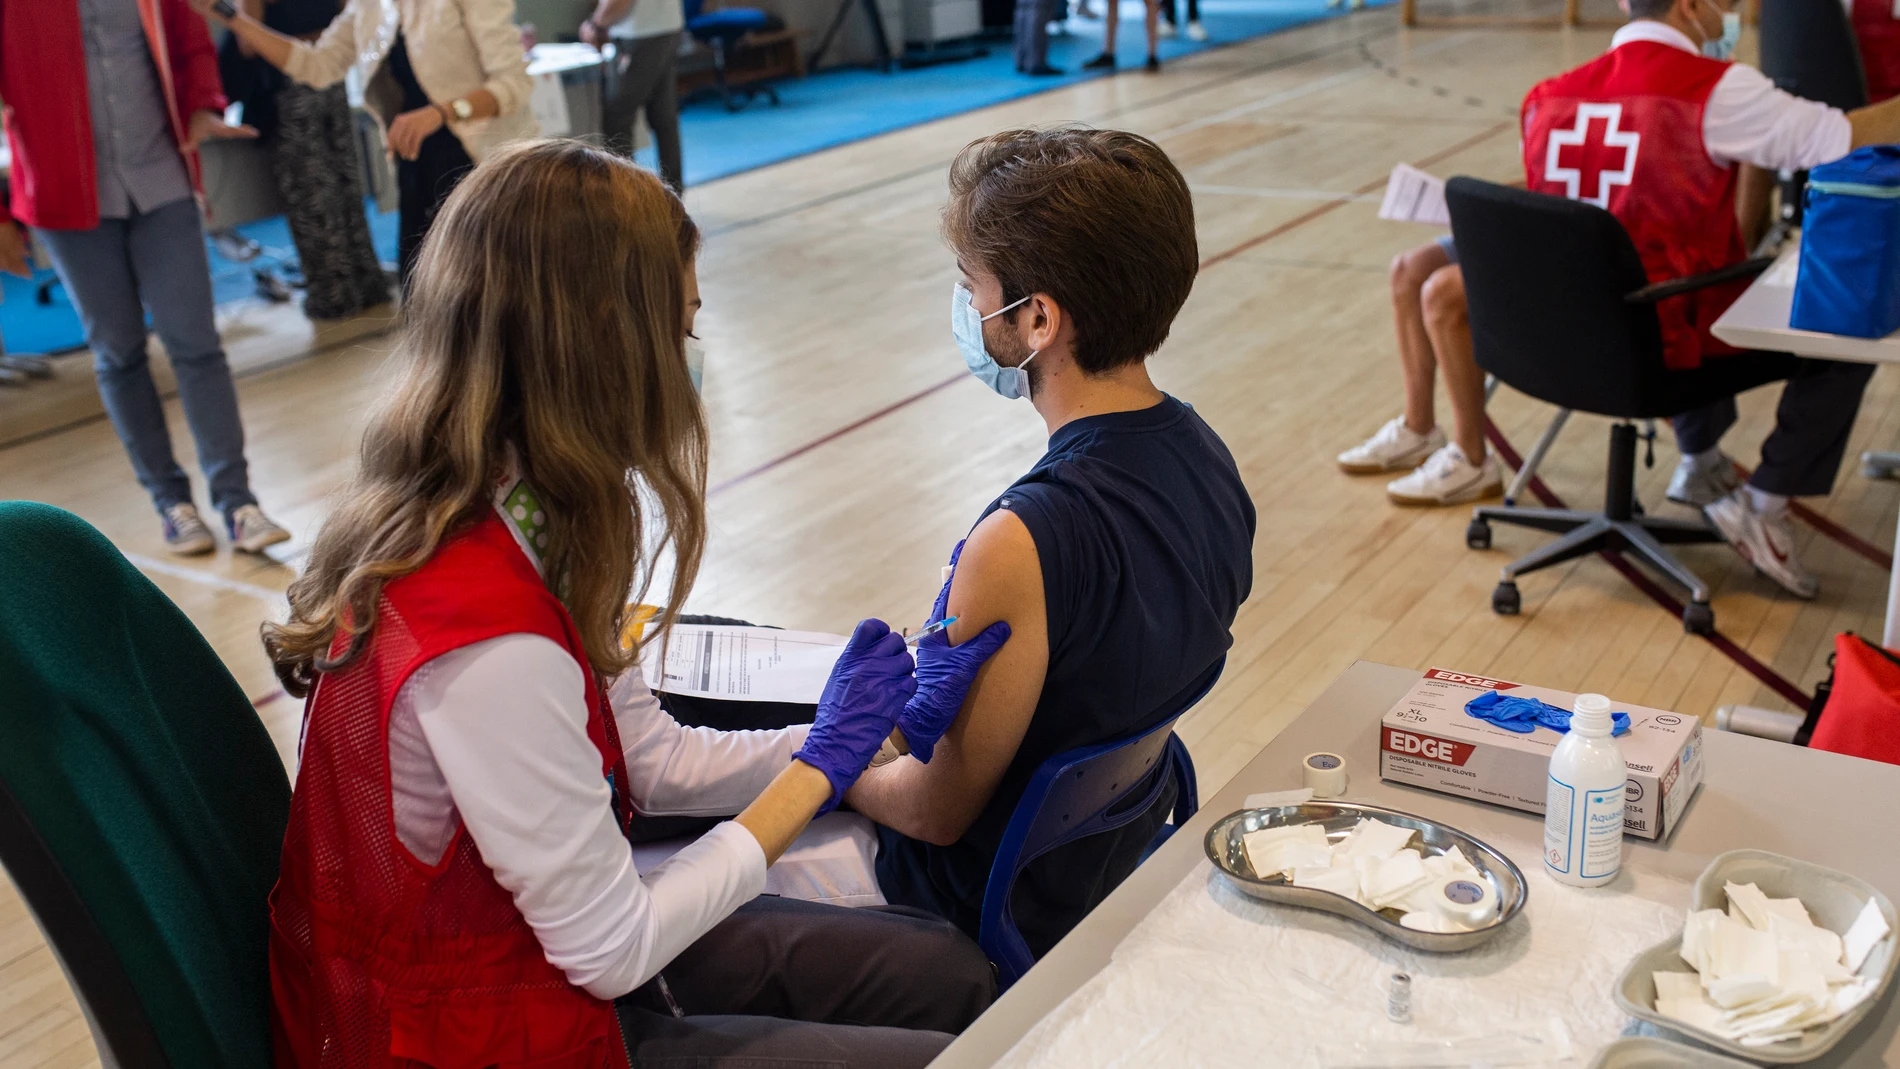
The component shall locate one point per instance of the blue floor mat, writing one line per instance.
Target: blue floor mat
(818, 112)
(838, 107)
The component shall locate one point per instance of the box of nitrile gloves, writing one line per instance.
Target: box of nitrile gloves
(1429, 740)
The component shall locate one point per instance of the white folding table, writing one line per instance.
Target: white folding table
(1822, 807)
(1759, 320)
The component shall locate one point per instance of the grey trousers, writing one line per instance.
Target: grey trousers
(117, 272)
(1032, 33)
(1803, 453)
(645, 77)
(788, 983)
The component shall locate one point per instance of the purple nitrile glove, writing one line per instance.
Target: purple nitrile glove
(944, 674)
(867, 689)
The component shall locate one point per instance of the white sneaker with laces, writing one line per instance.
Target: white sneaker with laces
(1196, 31)
(1448, 477)
(251, 530)
(185, 531)
(1765, 540)
(1395, 447)
(1698, 485)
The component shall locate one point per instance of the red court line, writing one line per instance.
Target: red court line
(265, 699)
(1333, 205)
(1770, 678)
(1834, 530)
(834, 435)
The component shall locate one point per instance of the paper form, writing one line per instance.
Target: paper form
(1413, 196)
(548, 102)
(752, 663)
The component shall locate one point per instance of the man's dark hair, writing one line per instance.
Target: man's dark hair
(1650, 9)
(1100, 220)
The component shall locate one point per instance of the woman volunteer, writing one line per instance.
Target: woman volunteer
(447, 79)
(456, 888)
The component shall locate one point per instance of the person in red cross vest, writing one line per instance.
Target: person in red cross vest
(1877, 30)
(457, 886)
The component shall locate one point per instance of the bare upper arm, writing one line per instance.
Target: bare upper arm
(998, 577)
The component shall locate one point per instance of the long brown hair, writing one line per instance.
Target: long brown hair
(546, 313)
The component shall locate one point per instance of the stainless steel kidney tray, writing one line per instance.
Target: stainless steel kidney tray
(1225, 850)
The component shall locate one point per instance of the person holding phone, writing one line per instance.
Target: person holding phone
(448, 79)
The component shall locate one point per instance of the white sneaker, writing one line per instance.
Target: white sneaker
(251, 530)
(1196, 31)
(1395, 447)
(1448, 477)
(1699, 485)
(1165, 29)
(185, 531)
(1764, 540)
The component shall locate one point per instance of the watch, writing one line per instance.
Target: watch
(462, 108)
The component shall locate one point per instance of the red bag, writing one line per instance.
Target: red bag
(1862, 717)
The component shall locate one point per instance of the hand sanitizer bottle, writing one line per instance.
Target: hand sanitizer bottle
(1583, 806)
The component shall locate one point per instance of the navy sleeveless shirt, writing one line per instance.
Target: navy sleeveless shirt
(1145, 536)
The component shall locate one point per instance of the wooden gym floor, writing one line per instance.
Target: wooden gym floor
(850, 449)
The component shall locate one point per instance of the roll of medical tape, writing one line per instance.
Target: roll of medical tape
(1325, 773)
(1469, 900)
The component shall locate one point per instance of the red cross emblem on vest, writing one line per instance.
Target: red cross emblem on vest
(1595, 164)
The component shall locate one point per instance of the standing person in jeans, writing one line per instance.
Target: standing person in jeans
(1032, 37)
(644, 76)
(313, 156)
(107, 103)
(448, 79)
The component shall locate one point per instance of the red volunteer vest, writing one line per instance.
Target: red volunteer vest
(1878, 32)
(379, 961)
(1624, 132)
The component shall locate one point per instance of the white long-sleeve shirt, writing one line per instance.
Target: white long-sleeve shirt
(496, 733)
(1748, 120)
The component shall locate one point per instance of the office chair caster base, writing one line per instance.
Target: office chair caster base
(1478, 534)
(1880, 465)
(1698, 619)
(1505, 600)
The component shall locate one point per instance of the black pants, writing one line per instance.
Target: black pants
(784, 982)
(1193, 12)
(314, 161)
(422, 184)
(645, 77)
(1803, 453)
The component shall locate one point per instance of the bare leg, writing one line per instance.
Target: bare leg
(1449, 324)
(1111, 21)
(1410, 270)
(1154, 28)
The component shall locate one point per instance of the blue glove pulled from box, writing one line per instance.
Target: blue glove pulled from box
(1525, 715)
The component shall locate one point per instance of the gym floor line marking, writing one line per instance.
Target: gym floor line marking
(1770, 678)
(1211, 261)
(1280, 194)
(203, 578)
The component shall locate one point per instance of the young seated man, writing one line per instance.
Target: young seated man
(1428, 305)
(1109, 575)
(1118, 562)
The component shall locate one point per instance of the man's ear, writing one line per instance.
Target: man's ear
(1045, 322)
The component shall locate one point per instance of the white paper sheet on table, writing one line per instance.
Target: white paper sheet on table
(1213, 977)
(1413, 196)
(754, 663)
(548, 102)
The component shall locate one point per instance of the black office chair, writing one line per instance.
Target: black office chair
(1808, 49)
(1562, 310)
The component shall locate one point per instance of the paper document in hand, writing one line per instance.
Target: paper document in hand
(751, 663)
(1413, 196)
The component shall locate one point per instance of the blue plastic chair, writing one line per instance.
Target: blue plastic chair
(721, 31)
(1076, 793)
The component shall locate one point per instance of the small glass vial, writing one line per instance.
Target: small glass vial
(1398, 999)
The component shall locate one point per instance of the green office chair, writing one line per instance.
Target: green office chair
(142, 804)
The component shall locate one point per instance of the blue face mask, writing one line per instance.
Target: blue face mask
(966, 326)
(1724, 46)
(695, 362)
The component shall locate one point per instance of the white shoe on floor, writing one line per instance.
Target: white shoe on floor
(1165, 29)
(1699, 485)
(1764, 540)
(1395, 447)
(1448, 477)
(185, 531)
(1196, 31)
(251, 530)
